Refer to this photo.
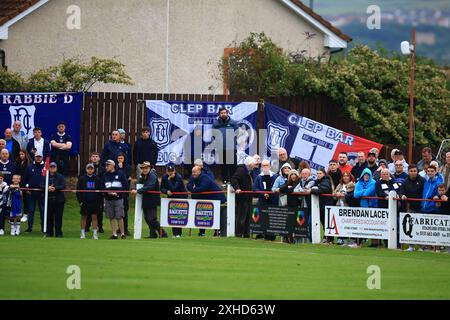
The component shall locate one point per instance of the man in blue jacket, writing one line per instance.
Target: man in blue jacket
(200, 182)
(33, 179)
(365, 187)
(113, 148)
(172, 182)
(430, 190)
(225, 124)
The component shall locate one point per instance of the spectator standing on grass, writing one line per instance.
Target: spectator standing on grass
(427, 156)
(282, 159)
(21, 165)
(56, 200)
(90, 202)
(126, 146)
(198, 183)
(344, 196)
(205, 168)
(3, 208)
(20, 136)
(125, 169)
(344, 166)
(14, 202)
(99, 171)
(365, 187)
(264, 182)
(38, 144)
(61, 143)
(33, 177)
(412, 187)
(382, 164)
(289, 187)
(372, 160)
(281, 180)
(172, 182)
(114, 181)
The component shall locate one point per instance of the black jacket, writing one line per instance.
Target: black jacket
(114, 181)
(358, 169)
(59, 182)
(323, 186)
(150, 183)
(173, 185)
(93, 199)
(292, 200)
(382, 189)
(145, 150)
(242, 179)
(336, 177)
(413, 189)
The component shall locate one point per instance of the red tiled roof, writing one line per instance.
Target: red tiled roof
(323, 21)
(11, 8)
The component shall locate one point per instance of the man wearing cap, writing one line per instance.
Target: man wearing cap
(32, 180)
(145, 149)
(396, 154)
(372, 162)
(61, 143)
(90, 202)
(127, 147)
(114, 181)
(113, 147)
(38, 144)
(56, 200)
(172, 182)
(150, 201)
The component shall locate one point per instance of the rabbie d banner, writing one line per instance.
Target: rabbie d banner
(425, 229)
(350, 222)
(43, 110)
(189, 213)
(309, 140)
(172, 123)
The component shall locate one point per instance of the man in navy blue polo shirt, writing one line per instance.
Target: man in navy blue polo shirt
(61, 143)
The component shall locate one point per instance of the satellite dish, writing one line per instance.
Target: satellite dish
(405, 47)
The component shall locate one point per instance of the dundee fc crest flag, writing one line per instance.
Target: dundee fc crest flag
(43, 110)
(309, 140)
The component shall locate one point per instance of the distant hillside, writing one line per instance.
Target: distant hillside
(340, 7)
(433, 41)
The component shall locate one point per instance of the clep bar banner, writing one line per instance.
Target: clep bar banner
(181, 126)
(43, 110)
(309, 140)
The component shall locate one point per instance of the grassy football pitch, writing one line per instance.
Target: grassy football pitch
(208, 268)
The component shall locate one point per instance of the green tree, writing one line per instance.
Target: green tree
(71, 75)
(372, 87)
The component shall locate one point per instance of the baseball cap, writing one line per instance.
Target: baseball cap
(90, 165)
(371, 154)
(382, 161)
(110, 162)
(145, 165)
(38, 154)
(121, 131)
(53, 164)
(60, 122)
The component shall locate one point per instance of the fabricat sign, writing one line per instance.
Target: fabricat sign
(190, 213)
(424, 229)
(357, 222)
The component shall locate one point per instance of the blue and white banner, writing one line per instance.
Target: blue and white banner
(173, 122)
(43, 110)
(309, 140)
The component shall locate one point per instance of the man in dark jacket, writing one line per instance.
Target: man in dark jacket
(112, 148)
(264, 182)
(412, 187)
(200, 182)
(99, 171)
(383, 186)
(145, 149)
(172, 182)
(90, 202)
(114, 181)
(334, 172)
(225, 124)
(205, 168)
(372, 162)
(359, 166)
(12, 145)
(242, 181)
(56, 200)
(33, 178)
(150, 201)
(61, 143)
(38, 144)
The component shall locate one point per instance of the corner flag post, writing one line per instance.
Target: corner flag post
(46, 173)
